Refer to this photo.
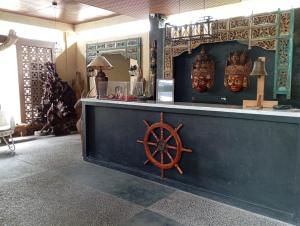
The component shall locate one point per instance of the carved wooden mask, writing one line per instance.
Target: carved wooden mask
(237, 71)
(203, 72)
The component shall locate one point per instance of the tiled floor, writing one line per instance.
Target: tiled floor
(47, 183)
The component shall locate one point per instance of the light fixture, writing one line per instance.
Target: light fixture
(260, 72)
(202, 29)
(100, 63)
(57, 47)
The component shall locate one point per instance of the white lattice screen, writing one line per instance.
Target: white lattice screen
(31, 60)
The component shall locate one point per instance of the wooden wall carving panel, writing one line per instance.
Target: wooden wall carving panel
(270, 31)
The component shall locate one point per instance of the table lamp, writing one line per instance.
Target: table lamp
(100, 63)
(259, 70)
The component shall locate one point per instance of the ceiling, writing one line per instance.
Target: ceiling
(142, 8)
(67, 11)
(78, 11)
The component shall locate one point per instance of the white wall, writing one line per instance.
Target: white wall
(9, 83)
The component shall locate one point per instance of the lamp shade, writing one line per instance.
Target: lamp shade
(259, 68)
(100, 62)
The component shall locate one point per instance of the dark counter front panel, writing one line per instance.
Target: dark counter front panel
(241, 157)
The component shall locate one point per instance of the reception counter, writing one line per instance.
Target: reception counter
(247, 158)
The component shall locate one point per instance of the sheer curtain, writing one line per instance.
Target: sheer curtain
(9, 83)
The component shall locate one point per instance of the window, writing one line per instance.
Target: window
(9, 85)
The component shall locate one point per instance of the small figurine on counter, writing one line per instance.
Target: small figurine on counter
(203, 72)
(119, 92)
(237, 71)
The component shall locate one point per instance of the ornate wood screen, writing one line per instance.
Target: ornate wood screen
(271, 31)
(32, 55)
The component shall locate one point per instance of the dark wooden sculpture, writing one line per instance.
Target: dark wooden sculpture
(237, 71)
(203, 72)
(151, 92)
(153, 58)
(56, 112)
(161, 138)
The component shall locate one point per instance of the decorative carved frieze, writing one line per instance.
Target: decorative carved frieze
(239, 22)
(265, 44)
(283, 52)
(284, 23)
(282, 80)
(264, 19)
(238, 34)
(263, 32)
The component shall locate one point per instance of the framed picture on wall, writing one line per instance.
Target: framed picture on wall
(165, 90)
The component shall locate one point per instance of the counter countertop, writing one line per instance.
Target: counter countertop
(201, 107)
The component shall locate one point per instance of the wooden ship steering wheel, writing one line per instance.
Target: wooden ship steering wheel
(161, 142)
